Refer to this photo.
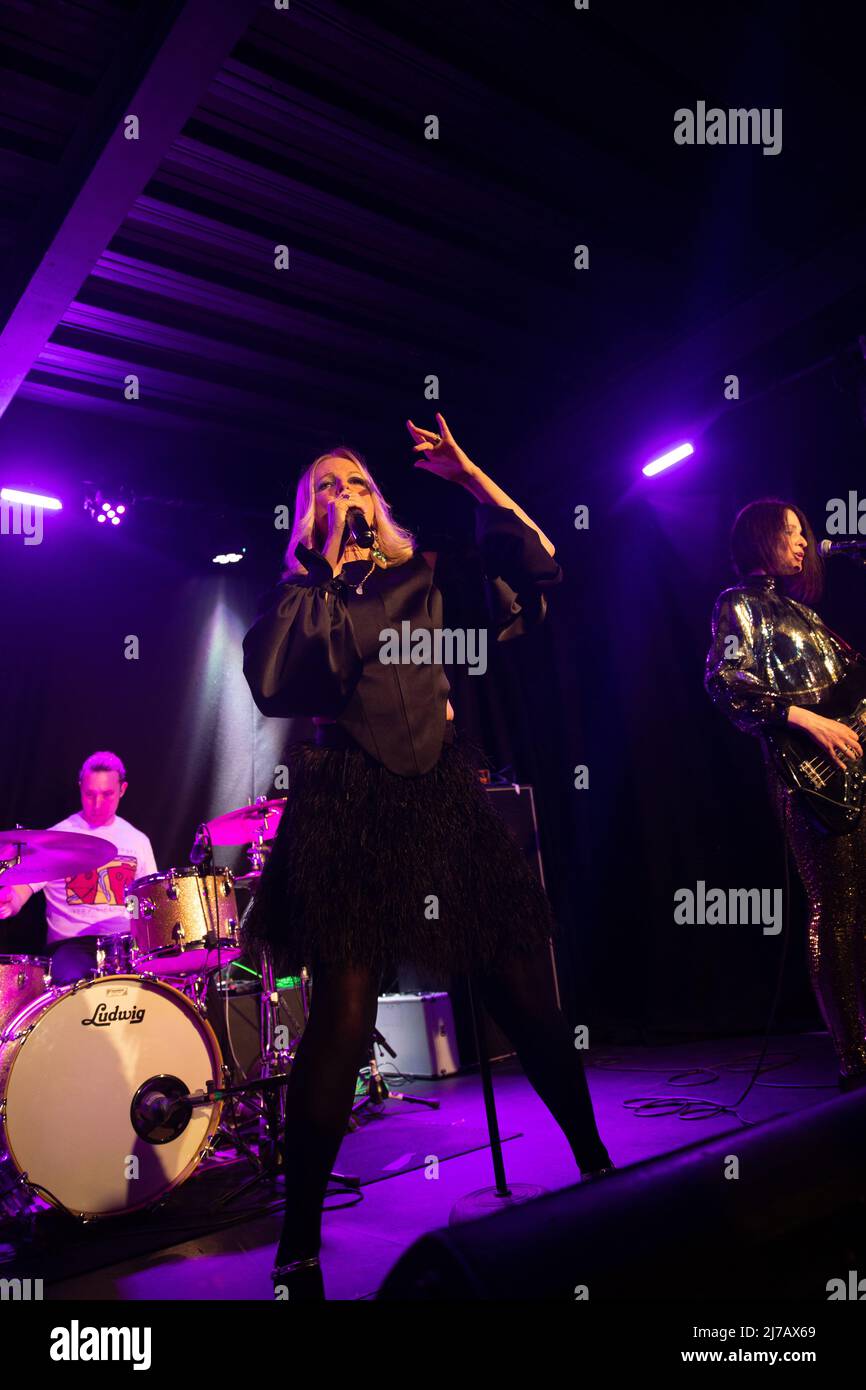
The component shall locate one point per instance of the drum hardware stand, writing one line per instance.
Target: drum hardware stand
(16, 1207)
(258, 849)
(272, 1081)
(16, 860)
(15, 1204)
(231, 1130)
(194, 987)
(266, 1157)
(257, 853)
(274, 1059)
(269, 1168)
(378, 1090)
(275, 1062)
(26, 1213)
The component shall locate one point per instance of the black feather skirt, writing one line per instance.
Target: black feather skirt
(371, 868)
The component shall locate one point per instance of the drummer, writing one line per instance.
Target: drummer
(89, 904)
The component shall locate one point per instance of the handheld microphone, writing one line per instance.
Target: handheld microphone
(358, 529)
(841, 547)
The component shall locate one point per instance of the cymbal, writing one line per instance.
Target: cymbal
(251, 878)
(247, 823)
(51, 854)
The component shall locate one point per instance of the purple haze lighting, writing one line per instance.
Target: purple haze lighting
(682, 451)
(35, 499)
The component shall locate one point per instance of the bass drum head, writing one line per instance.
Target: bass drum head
(89, 1093)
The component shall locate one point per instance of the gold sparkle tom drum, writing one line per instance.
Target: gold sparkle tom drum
(185, 921)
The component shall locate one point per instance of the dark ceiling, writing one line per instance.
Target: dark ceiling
(407, 256)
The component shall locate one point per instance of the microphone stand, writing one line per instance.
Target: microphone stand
(378, 1090)
(488, 1199)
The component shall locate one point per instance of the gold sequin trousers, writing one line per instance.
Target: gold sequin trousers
(833, 871)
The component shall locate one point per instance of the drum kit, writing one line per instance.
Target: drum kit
(115, 1089)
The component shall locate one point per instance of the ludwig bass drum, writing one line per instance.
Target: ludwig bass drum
(93, 1088)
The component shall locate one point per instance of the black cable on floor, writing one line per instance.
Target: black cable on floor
(661, 1107)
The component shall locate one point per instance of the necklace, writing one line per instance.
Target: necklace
(377, 555)
(359, 587)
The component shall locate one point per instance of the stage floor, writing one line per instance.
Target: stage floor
(401, 1201)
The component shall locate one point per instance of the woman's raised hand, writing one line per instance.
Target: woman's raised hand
(336, 518)
(440, 453)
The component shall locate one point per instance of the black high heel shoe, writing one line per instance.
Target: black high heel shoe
(300, 1281)
(597, 1172)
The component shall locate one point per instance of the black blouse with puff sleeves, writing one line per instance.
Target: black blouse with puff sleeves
(314, 648)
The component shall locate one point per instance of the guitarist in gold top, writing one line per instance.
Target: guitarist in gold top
(777, 671)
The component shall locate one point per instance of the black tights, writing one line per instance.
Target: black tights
(335, 1045)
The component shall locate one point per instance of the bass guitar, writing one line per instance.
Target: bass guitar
(833, 798)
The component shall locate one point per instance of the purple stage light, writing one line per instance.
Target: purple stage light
(100, 509)
(34, 499)
(667, 460)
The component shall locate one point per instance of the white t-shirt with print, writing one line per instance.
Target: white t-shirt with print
(91, 902)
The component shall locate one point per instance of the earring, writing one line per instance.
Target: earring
(374, 548)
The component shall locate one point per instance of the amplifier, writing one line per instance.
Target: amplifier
(516, 806)
(420, 1029)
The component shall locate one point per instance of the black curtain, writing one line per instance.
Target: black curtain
(612, 681)
(132, 642)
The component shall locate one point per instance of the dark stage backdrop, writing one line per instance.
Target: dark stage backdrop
(676, 793)
(613, 681)
(560, 384)
(180, 713)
